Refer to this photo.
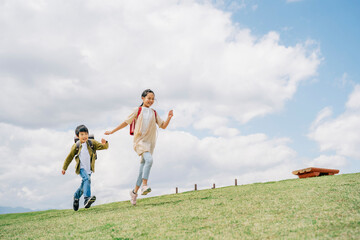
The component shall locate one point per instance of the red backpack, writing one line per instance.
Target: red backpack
(132, 125)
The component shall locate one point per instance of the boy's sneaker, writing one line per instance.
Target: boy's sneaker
(145, 190)
(133, 197)
(76, 204)
(89, 201)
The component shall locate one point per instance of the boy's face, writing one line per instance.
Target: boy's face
(83, 136)
(148, 100)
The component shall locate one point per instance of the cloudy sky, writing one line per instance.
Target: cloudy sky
(258, 89)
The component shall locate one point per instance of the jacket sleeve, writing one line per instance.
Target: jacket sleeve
(70, 157)
(100, 146)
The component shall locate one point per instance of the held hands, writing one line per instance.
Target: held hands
(107, 133)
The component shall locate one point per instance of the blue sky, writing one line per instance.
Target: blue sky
(332, 24)
(258, 89)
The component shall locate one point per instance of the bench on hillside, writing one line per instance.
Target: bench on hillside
(314, 172)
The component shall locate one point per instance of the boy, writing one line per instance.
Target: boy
(85, 156)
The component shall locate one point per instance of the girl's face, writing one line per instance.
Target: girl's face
(148, 100)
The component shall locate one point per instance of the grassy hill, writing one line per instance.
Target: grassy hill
(325, 207)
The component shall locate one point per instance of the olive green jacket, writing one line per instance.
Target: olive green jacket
(73, 153)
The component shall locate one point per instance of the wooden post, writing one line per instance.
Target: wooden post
(235, 182)
(195, 187)
(176, 190)
(214, 186)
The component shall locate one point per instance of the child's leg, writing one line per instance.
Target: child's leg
(147, 158)
(87, 186)
(145, 166)
(86, 183)
(79, 192)
(139, 179)
(148, 163)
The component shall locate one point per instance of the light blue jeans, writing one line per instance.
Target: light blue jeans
(145, 166)
(85, 186)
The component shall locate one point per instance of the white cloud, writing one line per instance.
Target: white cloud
(340, 134)
(226, 132)
(353, 103)
(344, 80)
(324, 161)
(70, 60)
(229, 5)
(322, 115)
(210, 122)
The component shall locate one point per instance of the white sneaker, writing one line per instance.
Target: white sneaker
(145, 190)
(133, 197)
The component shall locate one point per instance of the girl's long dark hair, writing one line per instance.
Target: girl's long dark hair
(145, 93)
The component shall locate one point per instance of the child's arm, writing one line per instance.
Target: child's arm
(124, 124)
(68, 159)
(166, 123)
(100, 146)
(127, 121)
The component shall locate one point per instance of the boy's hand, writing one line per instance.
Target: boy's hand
(103, 141)
(63, 172)
(107, 133)
(171, 114)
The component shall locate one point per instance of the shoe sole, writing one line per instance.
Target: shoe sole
(146, 191)
(91, 201)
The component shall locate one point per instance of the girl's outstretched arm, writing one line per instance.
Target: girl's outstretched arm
(166, 123)
(124, 124)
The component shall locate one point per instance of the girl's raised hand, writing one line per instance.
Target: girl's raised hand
(166, 123)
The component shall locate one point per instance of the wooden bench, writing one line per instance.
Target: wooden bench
(314, 172)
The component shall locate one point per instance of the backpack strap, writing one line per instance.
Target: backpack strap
(91, 144)
(132, 125)
(139, 111)
(77, 148)
(155, 115)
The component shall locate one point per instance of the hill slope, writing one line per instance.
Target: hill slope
(324, 207)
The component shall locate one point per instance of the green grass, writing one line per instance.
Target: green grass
(325, 207)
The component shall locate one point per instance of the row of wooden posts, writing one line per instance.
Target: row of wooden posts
(195, 188)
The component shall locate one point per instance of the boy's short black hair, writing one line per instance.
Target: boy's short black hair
(81, 128)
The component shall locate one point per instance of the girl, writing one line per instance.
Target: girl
(144, 138)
